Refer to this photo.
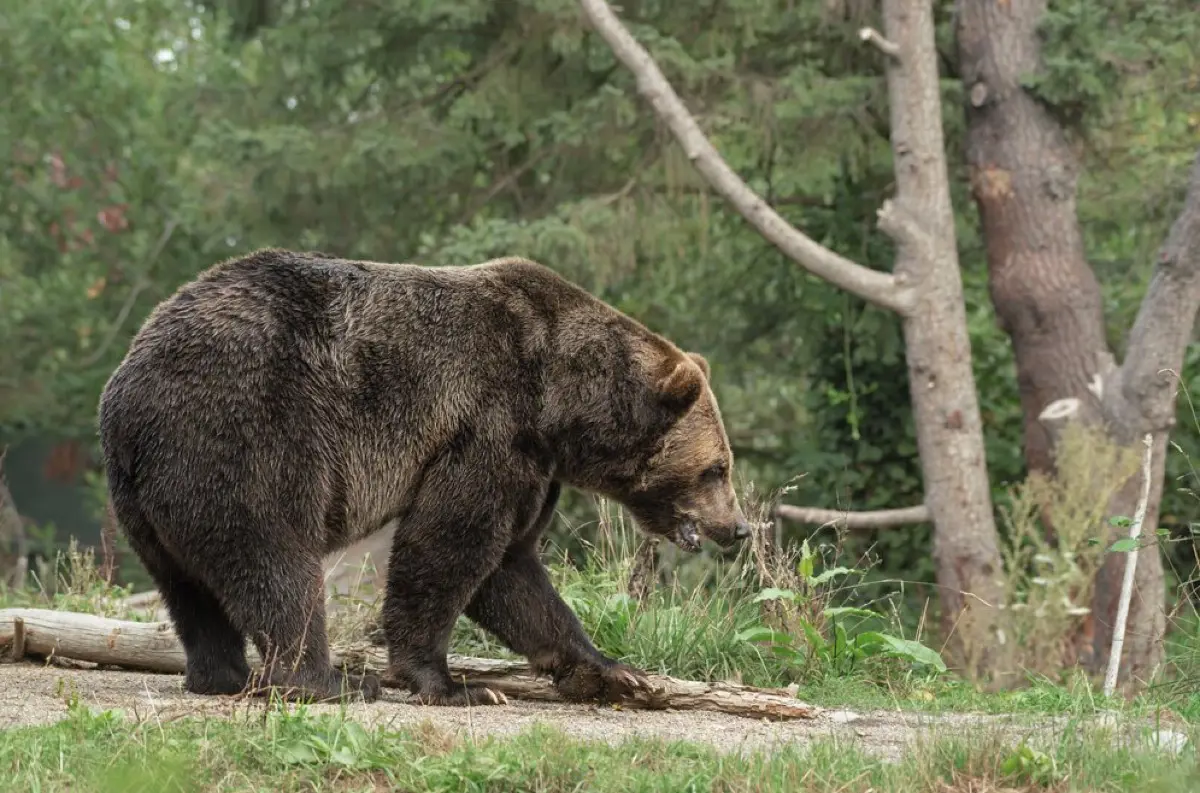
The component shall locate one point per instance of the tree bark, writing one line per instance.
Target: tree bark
(1023, 177)
(942, 384)
(13, 546)
(1140, 398)
(926, 290)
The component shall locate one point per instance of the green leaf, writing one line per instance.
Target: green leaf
(761, 633)
(344, 756)
(831, 573)
(902, 648)
(814, 638)
(833, 612)
(805, 567)
(1123, 545)
(298, 753)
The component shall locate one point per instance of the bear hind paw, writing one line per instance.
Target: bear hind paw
(330, 688)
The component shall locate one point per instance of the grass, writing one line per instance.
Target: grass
(280, 749)
(759, 617)
(710, 628)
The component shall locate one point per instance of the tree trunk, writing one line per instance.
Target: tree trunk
(926, 290)
(13, 547)
(945, 403)
(1023, 177)
(1140, 397)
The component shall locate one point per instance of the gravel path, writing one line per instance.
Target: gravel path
(32, 694)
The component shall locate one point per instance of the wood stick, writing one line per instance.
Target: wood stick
(154, 647)
(1135, 531)
(873, 519)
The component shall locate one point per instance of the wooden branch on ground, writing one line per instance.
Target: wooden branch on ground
(140, 600)
(877, 287)
(874, 519)
(154, 647)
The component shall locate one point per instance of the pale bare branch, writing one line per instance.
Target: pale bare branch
(873, 36)
(1135, 531)
(902, 227)
(877, 287)
(874, 519)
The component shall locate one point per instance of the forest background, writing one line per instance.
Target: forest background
(143, 141)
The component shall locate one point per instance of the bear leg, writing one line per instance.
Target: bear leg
(215, 650)
(430, 582)
(519, 604)
(284, 615)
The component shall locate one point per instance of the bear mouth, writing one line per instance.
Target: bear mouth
(686, 537)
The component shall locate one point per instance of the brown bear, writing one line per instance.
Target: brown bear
(283, 405)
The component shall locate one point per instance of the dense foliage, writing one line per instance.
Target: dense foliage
(142, 141)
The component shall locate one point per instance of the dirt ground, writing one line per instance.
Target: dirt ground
(32, 694)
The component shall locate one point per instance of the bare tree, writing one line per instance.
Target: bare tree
(1047, 298)
(925, 290)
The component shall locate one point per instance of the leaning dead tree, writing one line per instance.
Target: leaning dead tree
(925, 289)
(154, 647)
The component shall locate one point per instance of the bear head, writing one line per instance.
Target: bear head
(684, 490)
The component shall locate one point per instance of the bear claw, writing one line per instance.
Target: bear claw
(463, 697)
(612, 682)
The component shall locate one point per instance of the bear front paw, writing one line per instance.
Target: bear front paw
(605, 682)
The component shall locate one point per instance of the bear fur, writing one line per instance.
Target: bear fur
(283, 405)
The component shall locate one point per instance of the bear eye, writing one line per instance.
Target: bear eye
(714, 471)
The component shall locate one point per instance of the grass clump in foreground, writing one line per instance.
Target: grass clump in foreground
(280, 749)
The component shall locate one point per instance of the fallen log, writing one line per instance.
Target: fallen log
(154, 647)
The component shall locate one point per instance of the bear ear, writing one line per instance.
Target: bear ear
(703, 364)
(680, 387)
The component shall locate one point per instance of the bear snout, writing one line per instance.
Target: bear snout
(728, 534)
(741, 529)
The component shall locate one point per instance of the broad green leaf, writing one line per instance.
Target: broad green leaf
(903, 648)
(1123, 545)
